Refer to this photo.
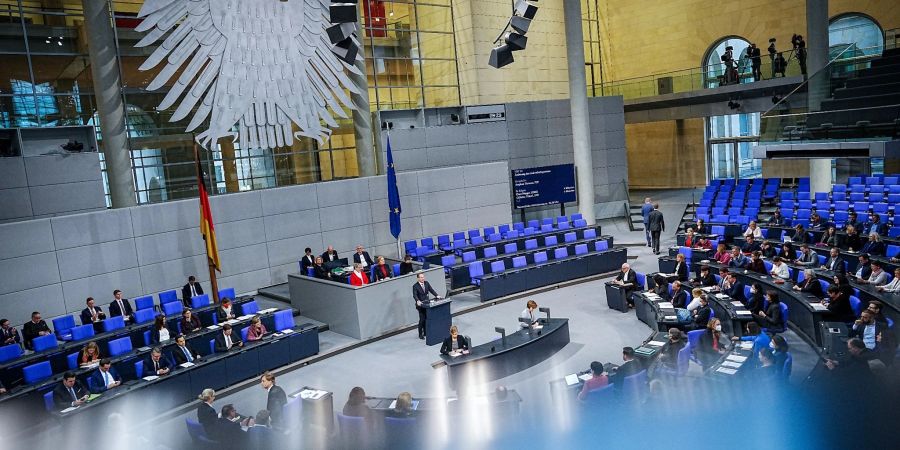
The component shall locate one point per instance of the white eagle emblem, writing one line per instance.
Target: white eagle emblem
(261, 64)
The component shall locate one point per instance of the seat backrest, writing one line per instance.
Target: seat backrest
(590, 233)
(10, 352)
(197, 433)
(487, 231)
(519, 261)
(474, 232)
(459, 243)
(718, 229)
(601, 246)
(143, 302)
(250, 307)
(579, 223)
(284, 319)
(503, 229)
(428, 243)
(550, 241)
(512, 234)
(560, 253)
(401, 433)
(409, 246)
(457, 235)
(534, 223)
(200, 301)
(581, 249)
(531, 244)
(172, 308)
(227, 293)
(113, 323)
(546, 228)
(476, 269)
(892, 250)
(563, 226)
(528, 232)
(641, 280)
(494, 237)
(168, 297)
(856, 305)
(694, 338)
(490, 252)
(139, 368)
(63, 326)
(576, 216)
(44, 342)
(510, 248)
(540, 257)
(354, 431)
(520, 226)
(82, 332)
(49, 404)
(443, 240)
(683, 362)
(396, 269)
(788, 365)
(119, 346)
(570, 237)
(448, 260)
(144, 315)
(498, 266)
(37, 372)
(468, 256)
(476, 240)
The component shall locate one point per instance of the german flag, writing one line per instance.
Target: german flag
(207, 229)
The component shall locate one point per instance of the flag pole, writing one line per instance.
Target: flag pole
(214, 284)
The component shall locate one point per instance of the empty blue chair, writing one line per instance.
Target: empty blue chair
(547, 221)
(409, 246)
(119, 346)
(838, 188)
(444, 242)
(498, 266)
(528, 231)
(880, 208)
(581, 249)
(168, 297)
(354, 432)
(601, 246)
(546, 228)
(513, 234)
(576, 216)
(45, 342)
(172, 308)
(62, 326)
(892, 250)
(284, 319)
(531, 244)
(49, 404)
(428, 243)
(580, 223)
(144, 315)
(856, 305)
(641, 280)
(894, 232)
(875, 197)
(534, 224)
(459, 235)
(476, 271)
(421, 252)
(472, 233)
(839, 197)
(227, 293)
(560, 253)
(857, 197)
(10, 352)
(872, 180)
(569, 237)
(198, 435)
(519, 261)
(495, 237)
(468, 257)
(83, 332)
(890, 180)
(519, 226)
(540, 257)
(448, 260)
(510, 248)
(590, 233)
(490, 252)
(139, 369)
(550, 241)
(200, 301)
(459, 244)
(718, 229)
(143, 302)
(860, 188)
(146, 336)
(477, 240)
(250, 307)
(854, 180)
(503, 229)
(563, 226)
(487, 231)
(861, 207)
(36, 373)
(396, 269)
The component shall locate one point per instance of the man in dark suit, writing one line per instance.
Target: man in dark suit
(657, 225)
(628, 280)
(37, 327)
(92, 314)
(750, 245)
(420, 294)
(630, 367)
(329, 255)
(701, 315)
(156, 364)
(835, 263)
(69, 392)
(228, 339)
(183, 352)
(307, 261)
(319, 270)
(120, 307)
(736, 289)
(362, 257)
(8, 334)
(276, 399)
(679, 296)
(105, 378)
(191, 289)
(864, 268)
(229, 432)
(705, 279)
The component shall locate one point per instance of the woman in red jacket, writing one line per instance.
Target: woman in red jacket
(358, 277)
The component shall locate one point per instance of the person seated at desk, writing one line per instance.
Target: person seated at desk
(723, 284)
(875, 225)
(777, 219)
(854, 370)
(815, 222)
(873, 246)
(69, 392)
(786, 251)
(307, 261)
(689, 239)
(358, 277)
(319, 270)
(852, 221)
(771, 318)
(8, 334)
(750, 245)
(810, 285)
(753, 230)
(757, 298)
(874, 307)
(183, 353)
(722, 256)
(701, 315)
(852, 241)
(869, 330)
(735, 288)
(627, 279)
(779, 269)
(121, 307)
(529, 314)
(840, 280)
(105, 378)
(800, 236)
(661, 286)
(703, 243)
(878, 277)
(260, 434)
(156, 364)
(894, 286)
(705, 279)
(738, 259)
(89, 354)
(407, 265)
(229, 431)
(599, 379)
(225, 310)
(829, 238)
(35, 328)
(206, 414)
(756, 263)
(752, 333)
(329, 255)
(766, 250)
(190, 290)
(403, 406)
(356, 404)
(362, 257)
(190, 323)
(630, 367)
(864, 268)
(766, 369)
(807, 257)
(838, 304)
(834, 263)
(780, 350)
(382, 270)
(257, 329)
(669, 358)
(159, 332)
(227, 340)
(679, 295)
(712, 343)
(92, 314)
(681, 268)
(454, 342)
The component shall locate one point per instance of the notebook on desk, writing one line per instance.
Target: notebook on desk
(571, 379)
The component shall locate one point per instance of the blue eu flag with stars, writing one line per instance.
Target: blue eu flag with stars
(393, 193)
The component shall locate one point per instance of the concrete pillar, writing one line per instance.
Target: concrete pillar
(110, 106)
(362, 115)
(817, 57)
(581, 129)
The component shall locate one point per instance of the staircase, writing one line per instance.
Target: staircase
(687, 217)
(635, 218)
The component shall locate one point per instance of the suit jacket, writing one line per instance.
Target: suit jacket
(776, 220)
(186, 292)
(181, 358)
(190, 326)
(114, 310)
(755, 303)
(702, 316)
(220, 340)
(230, 434)
(840, 308)
(329, 256)
(31, 330)
(359, 280)
(629, 277)
(97, 379)
(859, 332)
(812, 286)
(706, 353)
(306, 262)
(86, 317)
(774, 319)
(321, 272)
(406, 267)
(221, 314)
(383, 272)
(750, 247)
(757, 266)
(874, 248)
(151, 368)
(864, 270)
(447, 346)
(275, 404)
(655, 221)
(365, 257)
(207, 417)
(829, 240)
(63, 399)
(420, 294)
(809, 259)
(629, 368)
(681, 270)
(800, 237)
(10, 333)
(768, 252)
(708, 280)
(679, 299)
(835, 265)
(646, 209)
(736, 291)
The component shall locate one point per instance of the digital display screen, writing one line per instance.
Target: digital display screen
(540, 186)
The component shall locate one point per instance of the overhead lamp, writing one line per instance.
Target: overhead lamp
(515, 41)
(501, 56)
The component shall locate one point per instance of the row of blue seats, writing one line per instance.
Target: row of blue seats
(730, 211)
(476, 269)
(512, 247)
(746, 181)
(858, 205)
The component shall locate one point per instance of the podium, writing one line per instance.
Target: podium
(617, 297)
(437, 321)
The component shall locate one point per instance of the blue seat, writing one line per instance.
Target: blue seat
(200, 301)
(83, 332)
(146, 336)
(409, 247)
(227, 293)
(635, 385)
(444, 242)
(856, 305)
(519, 261)
(476, 271)
(396, 269)
(113, 323)
(284, 319)
(490, 252)
(546, 228)
(45, 342)
(534, 224)
(494, 237)
(472, 233)
(428, 243)
(894, 232)
(547, 221)
(540, 257)
(447, 261)
(563, 226)
(144, 315)
(10, 352)
(718, 229)
(601, 246)
(576, 216)
(401, 433)
(498, 266)
(49, 404)
(560, 253)
(519, 226)
(62, 326)
(459, 235)
(550, 241)
(143, 302)
(510, 248)
(459, 244)
(641, 280)
(477, 240)
(569, 237)
(581, 249)
(119, 346)
(487, 231)
(172, 308)
(250, 307)
(503, 229)
(892, 250)
(198, 435)
(468, 257)
(168, 297)
(528, 232)
(580, 223)
(590, 233)
(36, 373)
(531, 244)
(354, 432)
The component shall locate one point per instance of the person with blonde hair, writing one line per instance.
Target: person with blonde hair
(454, 342)
(206, 414)
(89, 354)
(403, 406)
(712, 343)
(256, 330)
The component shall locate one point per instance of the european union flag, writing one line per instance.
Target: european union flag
(393, 193)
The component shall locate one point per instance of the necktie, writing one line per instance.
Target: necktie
(121, 307)
(106, 378)
(72, 391)
(156, 366)
(188, 354)
(193, 290)
(227, 341)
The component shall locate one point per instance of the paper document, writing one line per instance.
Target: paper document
(212, 327)
(670, 318)
(656, 343)
(666, 305)
(150, 378)
(736, 358)
(93, 397)
(726, 370)
(70, 409)
(747, 345)
(267, 310)
(819, 307)
(415, 404)
(585, 376)
(571, 380)
(233, 322)
(312, 394)
(731, 364)
(722, 296)
(287, 330)
(737, 303)
(187, 364)
(143, 349)
(743, 312)
(708, 289)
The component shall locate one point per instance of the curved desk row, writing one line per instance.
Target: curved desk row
(520, 241)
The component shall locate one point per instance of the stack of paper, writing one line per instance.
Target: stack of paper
(287, 330)
(70, 409)
(731, 364)
(656, 343)
(666, 305)
(312, 394)
(212, 327)
(819, 307)
(571, 379)
(186, 365)
(737, 303)
(747, 345)
(150, 378)
(736, 358)
(743, 312)
(585, 376)
(267, 310)
(726, 370)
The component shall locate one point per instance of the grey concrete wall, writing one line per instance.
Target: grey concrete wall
(50, 185)
(533, 134)
(53, 264)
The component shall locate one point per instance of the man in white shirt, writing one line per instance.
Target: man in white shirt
(780, 269)
(894, 285)
(362, 257)
(227, 340)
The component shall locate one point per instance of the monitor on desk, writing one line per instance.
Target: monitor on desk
(331, 265)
